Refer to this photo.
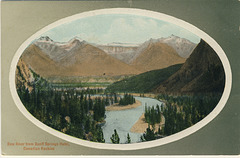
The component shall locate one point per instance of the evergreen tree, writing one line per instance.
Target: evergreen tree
(100, 137)
(115, 138)
(128, 139)
(149, 134)
(127, 99)
(115, 98)
(158, 115)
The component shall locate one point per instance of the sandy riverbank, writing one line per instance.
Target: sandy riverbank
(116, 107)
(140, 126)
(149, 95)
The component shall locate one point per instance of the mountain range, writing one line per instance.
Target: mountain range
(202, 72)
(80, 58)
(74, 58)
(127, 52)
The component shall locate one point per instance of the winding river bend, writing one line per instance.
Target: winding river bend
(123, 121)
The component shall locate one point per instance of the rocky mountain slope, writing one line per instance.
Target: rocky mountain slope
(74, 58)
(56, 50)
(24, 77)
(129, 52)
(123, 52)
(40, 62)
(156, 55)
(182, 46)
(202, 72)
(77, 57)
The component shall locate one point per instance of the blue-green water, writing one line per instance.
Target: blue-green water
(123, 121)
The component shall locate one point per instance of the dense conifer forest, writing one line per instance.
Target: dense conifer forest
(81, 112)
(180, 112)
(73, 112)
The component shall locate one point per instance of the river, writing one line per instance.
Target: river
(123, 120)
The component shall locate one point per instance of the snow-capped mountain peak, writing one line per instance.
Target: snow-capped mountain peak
(58, 50)
(76, 38)
(182, 46)
(45, 38)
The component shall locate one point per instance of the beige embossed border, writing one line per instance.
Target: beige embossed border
(133, 146)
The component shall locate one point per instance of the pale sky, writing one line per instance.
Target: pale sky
(103, 29)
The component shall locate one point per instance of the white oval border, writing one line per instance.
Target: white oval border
(134, 146)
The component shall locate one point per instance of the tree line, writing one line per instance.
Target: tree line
(127, 99)
(79, 113)
(73, 112)
(152, 115)
(180, 112)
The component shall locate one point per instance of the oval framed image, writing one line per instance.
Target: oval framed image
(120, 78)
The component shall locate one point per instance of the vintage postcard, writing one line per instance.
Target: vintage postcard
(112, 81)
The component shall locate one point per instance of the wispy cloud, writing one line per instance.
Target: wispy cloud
(118, 28)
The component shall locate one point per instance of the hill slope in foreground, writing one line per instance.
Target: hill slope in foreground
(144, 82)
(203, 72)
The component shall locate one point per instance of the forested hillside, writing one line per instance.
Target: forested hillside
(203, 72)
(144, 82)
